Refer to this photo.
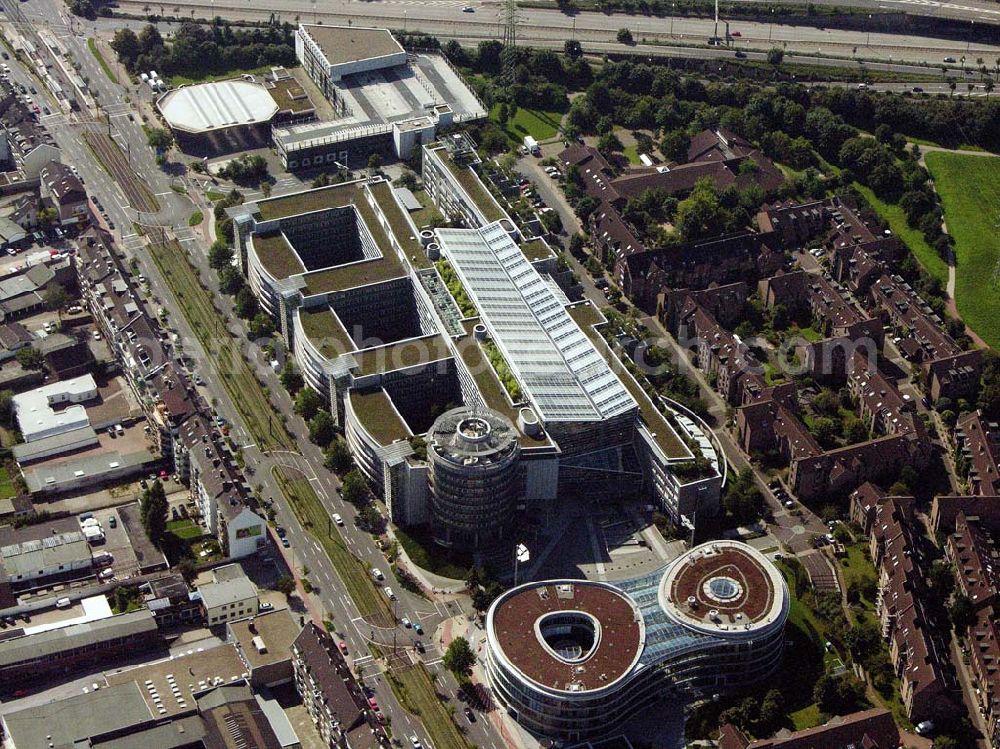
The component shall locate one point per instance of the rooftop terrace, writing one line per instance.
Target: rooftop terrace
(588, 317)
(536, 249)
(377, 414)
(399, 224)
(307, 201)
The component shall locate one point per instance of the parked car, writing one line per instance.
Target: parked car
(113, 522)
(63, 603)
(285, 542)
(417, 628)
(419, 646)
(280, 531)
(469, 715)
(266, 606)
(406, 622)
(416, 742)
(343, 647)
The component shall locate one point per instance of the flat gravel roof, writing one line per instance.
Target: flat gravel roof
(341, 44)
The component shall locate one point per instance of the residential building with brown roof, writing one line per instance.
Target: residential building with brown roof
(869, 729)
(978, 443)
(984, 661)
(945, 511)
(972, 548)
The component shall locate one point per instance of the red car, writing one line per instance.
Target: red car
(736, 34)
(343, 647)
(373, 704)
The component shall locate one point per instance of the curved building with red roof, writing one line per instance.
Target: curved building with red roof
(572, 659)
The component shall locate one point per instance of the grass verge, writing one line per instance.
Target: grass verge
(92, 46)
(247, 394)
(913, 238)
(415, 691)
(969, 187)
(196, 218)
(314, 518)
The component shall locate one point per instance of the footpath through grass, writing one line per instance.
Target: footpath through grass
(310, 511)
(246, 393)
(92, 46)
(969, 187)
(925, 254)
(415, 691)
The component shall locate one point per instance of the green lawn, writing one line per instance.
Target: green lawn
(92, 46)
(424, 553)
(969, 187)
(632, 154)
(6, 484)
(186, 529)
(926, 255)
(214, 195)
(538, 123)
(857, 569)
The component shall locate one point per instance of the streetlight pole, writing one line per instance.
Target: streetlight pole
(673, 12)
(868, 42)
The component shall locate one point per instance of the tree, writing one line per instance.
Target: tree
(307, 403)
(188, 570)
(701, 215)
(56, 297)
(459, 658)
(261, 326)
(354, 488)
(159, 138)
(6, 408)
(775, 56)
(285, 585)
(246, 303)
(220, 255)
(230, 280)
(946, 742)
(338, 456)
(624, 36)
(371, 519)
(291, 378)
(374, 162)
(126, 46)
(153, 511)
(963, 614)
(572, 49)
(29, 357)
(838, 694)
(321, 428)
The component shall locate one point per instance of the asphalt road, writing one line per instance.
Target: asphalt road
(444, 18)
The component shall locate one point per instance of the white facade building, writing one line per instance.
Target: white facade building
(36, 417)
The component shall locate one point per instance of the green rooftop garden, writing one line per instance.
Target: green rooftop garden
(324, 329)
(474, 188)
(402, 354)
(587, 317)
(377, 415)
(277, 255)
(536, 249)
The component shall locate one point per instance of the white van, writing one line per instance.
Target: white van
(63, 603)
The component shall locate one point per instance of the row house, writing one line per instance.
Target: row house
(977, 441)
(869, 729)
(984, 661)
(971, 548)
(925, 687)
(329, 693)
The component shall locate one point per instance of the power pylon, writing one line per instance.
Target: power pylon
(508, 56)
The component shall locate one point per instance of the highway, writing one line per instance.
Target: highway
(445, 19)
(118, 106)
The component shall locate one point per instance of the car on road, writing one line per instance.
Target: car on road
(63, 603)
(419, 646)
(388, 593)
(417, 628)
(468, 9)
(416, 742)
(5, 55)
(736, 34)
(469, 715)
(740, 54)
(343, 647)
(285, 542)
(917, 89)
(337, 519)
(406, 622)
(97, 335)
(219, 421)
(949, 59)
(377, 574)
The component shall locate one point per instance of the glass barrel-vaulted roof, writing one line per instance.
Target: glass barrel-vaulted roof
(558, 367)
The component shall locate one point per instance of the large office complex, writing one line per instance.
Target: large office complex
(384, 100)
(573, 659)
(460, 373)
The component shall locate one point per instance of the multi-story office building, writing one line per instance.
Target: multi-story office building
(395, 323)
(573, 659)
